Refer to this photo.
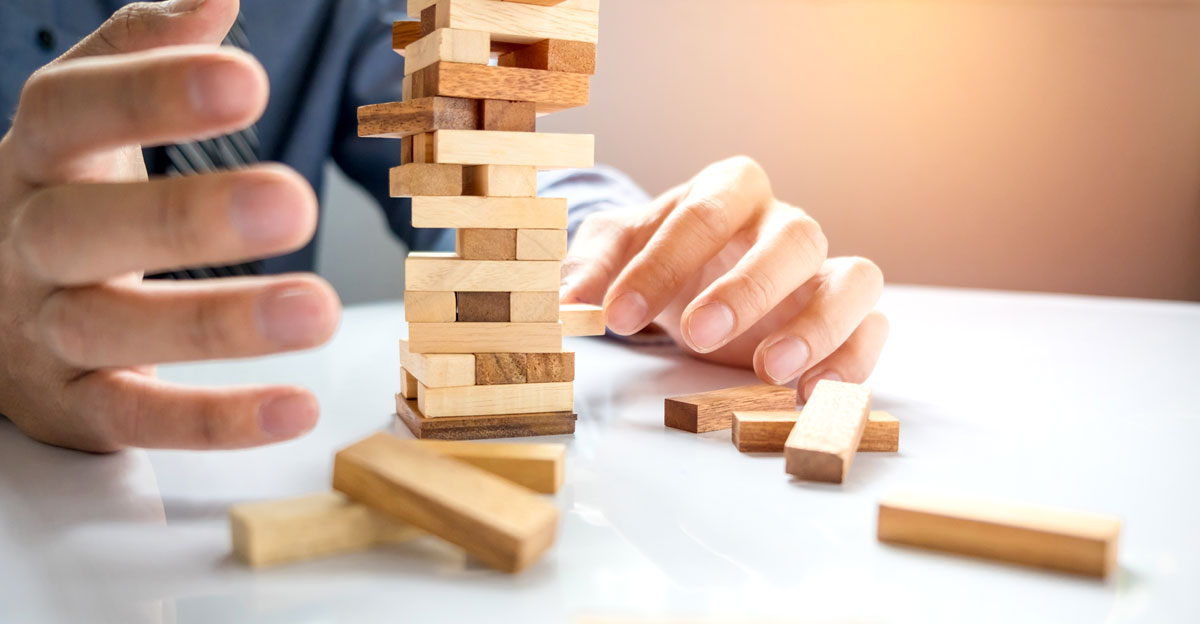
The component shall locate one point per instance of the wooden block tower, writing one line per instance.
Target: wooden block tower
(485, 357)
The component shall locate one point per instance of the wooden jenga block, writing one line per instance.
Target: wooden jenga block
(767, 432)
(518, 22)
(448, 44)
(1069, 541)
(550, 367)
(541, 244)
(478, 400)
(485, 338)
(543, 150)
(441, 272)
(821, 446)
(581, 319)
(540, 467)
(402, 119)
(713, 411)
(408, 384)
(508, 116)
(426, 179)
(406, 150)
(483, 307)
(500, 181)
(477, 244)
(438, 370)
(273, 532)
(423, 148)
(494, 369)
(538, 2)
(482, 427)
(489, 212)
(502, 524)
(430, 307)
(416, 7)
(575, 57)
(534, 307)
(551, 91)
(404, 33)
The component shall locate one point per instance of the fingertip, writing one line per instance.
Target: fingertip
(228, 87)
(273, 208)
(299, 313)
(627, 313)
(289, 415)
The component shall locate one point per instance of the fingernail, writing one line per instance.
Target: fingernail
(627, 313)
(710, 325)
(288, 416)
(292, 317)
(178, 7)
(220, 89)
(811, 384)
(259, 213)
(786, 358)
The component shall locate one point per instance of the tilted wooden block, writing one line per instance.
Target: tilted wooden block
(430, 307)
(493, 369)
(543, 150)
(537, 466)
(489, 212)
(821, 446)
(483, 307)
(426, 179)
(581, 319)
(408, 384)
(1069, 541)
(500, 181)
(518, 22)
(508, 116)
(552, 91)
(402, 119)
(477, 244)
(576, 57)
(404, 33)
(441, 272)
(550, 367)
(499, 399)
(767, 432)
(485, 338)
(502, 524)
(482, 427)
(541, 244)
(713, 411)
(534, 307)
(448, 44)
(438, 370)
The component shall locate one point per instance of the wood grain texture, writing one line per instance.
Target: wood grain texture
(395, 120)
(577, 57)
(483, 307)
(425, 179)
(1056, 539)
(438, 370)
(448, 44)
(482, 427)
(406, 150)
(489, 212)
(477, 244)
(423, 146)
(882, 434)
(539, 466)
(508, 116)
(493, 369)
(442, 272)
(543, 150)
(408, 384)
(430, 307)
(485, 337)
(499, 399)
(767, 432)
(581, 319)
(319, 525)
(550, 367)
(500, 181)
(821, 446)
(418, 6)
(534, 307)
(541, 244)
(538, 2)
(713, 411)
(404, 33)
(504, 525)
(518, 22)
(551, 91)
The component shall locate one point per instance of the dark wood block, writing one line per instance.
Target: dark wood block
(476, 244)
(500, 368)
(577, 57)
(712, 411)
(552, 91)
(508, 116)
(483, 307)
(550, 367)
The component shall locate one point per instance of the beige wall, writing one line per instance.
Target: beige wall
(1001, 144)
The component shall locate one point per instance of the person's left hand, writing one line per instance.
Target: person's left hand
(734, 276)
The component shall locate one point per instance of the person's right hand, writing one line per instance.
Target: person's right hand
(80, 223)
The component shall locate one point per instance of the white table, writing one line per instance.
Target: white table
(1080, 402)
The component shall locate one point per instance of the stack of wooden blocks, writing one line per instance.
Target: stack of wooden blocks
(485, 355)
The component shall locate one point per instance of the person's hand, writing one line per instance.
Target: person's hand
(734, 276)
(80, 223)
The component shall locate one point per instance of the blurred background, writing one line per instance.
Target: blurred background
(1021, 145)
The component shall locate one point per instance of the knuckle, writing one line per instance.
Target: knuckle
(805, 234)
(58, 322)
(755, 291)
(173, 226)
(710, 217)
(205, 332)
(126, 24)
(36, 109)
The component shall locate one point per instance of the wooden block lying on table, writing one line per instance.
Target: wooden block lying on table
(483, 307)
(508, 116)
(821, 446)
(498, 399)
(442, 272)
(489, 212)
(541, 244)
(477, 244)
(577, 57)
(551, 91)
(534, 307)
(543, 150)
(438, 370)
(482, 427)
(502, 524)
(713, 411)
(426, 179)
(408, 384)
(485, 338)
(581, 319)
(767, 432)
(518, 22)
(1082, 543)
(448, 44)
(500, 181)
(395, 120)
(537, 466)
(430, 307)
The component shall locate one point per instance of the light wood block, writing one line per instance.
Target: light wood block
(499, 399)
(540, 467)
(517, 22)
(394, 120)
(508, 116)
(408, 384)
(713, 411)
(551, 91)
(493, 369)
(426, 179)
(476, 244)
(500, 181)
(534, 307)
(416, 7)
(543, 150)
(538, 2)
(482, 427)
(489, 212)
(502, 524)
(541, 244)
(550, 367)
(485, 338)
(1056, 539)
(438, 370)
(448, 44)
(404, 33)
(483, 307)
(576, 57)
(442, 272)
(767, 432)
(423, 148)
(821, 446)
(581, 319)
(430, 307)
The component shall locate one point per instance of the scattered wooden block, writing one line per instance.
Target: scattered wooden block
(502, 524)
(534, 307)
(490, 400)
(500, 181)
(482, 427)
(537, 466)
(438, 370)
(518, 22)
(882, 434)
(476, 244)
(493, 369)
(508, 116)
(426, 179)
(442, 272)
(430, 307)
(543, 150)
(485, 338)
(408, 384)
(483, 307)
(396, 120)
(557, 55)
(821, 446)
(713, 411)
(448, 44)
(273, 532)
(550, 367)
(489, 212)
(551, 91)
(767, 432)
(1069, 541)
(541, 244)
(581, 319)
(405, 33)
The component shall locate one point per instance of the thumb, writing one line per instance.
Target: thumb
(145, 25)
